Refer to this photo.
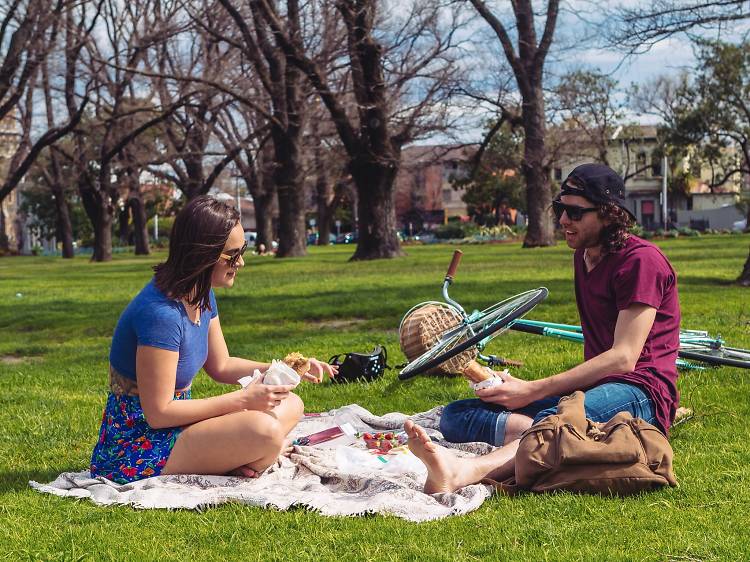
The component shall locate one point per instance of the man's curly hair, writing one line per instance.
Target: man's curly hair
(618, 226)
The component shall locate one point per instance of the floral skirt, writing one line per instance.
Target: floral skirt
(128, 448)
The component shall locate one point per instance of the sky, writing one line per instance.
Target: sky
(573, 48)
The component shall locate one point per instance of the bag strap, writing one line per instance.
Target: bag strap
(509, 487)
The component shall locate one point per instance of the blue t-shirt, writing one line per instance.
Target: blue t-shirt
(155, 320)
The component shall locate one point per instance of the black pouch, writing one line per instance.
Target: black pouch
(360, 366)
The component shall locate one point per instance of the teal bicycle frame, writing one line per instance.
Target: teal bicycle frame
(574, 333)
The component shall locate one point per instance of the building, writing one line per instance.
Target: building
(634, 152)
(424, 195)
(9, 141)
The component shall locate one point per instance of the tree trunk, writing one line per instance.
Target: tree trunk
(288, 180)
(744, 278)
(377, 215)
(325, 209)
(138, 212)
(263, 203)
(64, 225)
(194, 185)
(123, 226)
(4, 243)
(103, 229)
(538, 195)
(140, 223)
(100, 209)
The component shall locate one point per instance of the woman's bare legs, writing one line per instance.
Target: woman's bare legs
(249, 438)
(447, 472)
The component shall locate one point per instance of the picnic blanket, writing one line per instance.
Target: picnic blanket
(332, 481)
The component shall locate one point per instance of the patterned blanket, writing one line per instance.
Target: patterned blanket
(333, 479)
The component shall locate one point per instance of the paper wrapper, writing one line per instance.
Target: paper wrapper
(278, 373)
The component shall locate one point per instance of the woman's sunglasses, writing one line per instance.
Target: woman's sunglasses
(575, 213)
(234, 258)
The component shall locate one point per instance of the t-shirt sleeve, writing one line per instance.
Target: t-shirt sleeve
(159, 326)
(643, 279)
(212, 302)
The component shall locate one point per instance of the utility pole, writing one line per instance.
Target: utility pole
(237, 190)
(664, 192)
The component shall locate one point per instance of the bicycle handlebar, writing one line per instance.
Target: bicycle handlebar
(454, 265)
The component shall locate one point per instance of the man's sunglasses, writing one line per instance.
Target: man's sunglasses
(234, 257)
(575, 213)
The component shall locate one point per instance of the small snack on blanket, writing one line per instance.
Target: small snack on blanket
(383, 442)
(298, 362)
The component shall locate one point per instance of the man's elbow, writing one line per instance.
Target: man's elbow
(625, 361)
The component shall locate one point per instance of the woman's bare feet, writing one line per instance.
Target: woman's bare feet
(445, 471)
(248, 472)
(287, 448)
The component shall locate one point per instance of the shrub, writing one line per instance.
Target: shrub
(452, 230)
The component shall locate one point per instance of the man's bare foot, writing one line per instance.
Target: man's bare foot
(445, 472)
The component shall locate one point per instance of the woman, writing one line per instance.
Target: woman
(165, 335)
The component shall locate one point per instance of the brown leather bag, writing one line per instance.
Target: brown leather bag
(566, 451)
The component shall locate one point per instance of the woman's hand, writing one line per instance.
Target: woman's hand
(264, 397)
(318, 369)
(513, 393)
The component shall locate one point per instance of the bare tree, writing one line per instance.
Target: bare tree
(399, 89)
(241, 127)
(527, 61)
(190, 73)
(585, 101)
(637, 27)
(53, 173)
(282, 83)
(28, 33)
(328, 177)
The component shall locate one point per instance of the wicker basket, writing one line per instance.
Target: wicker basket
(421, 329)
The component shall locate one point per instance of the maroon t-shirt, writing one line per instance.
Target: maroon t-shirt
(639, 273)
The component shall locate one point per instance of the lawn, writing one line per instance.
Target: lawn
(57, 318)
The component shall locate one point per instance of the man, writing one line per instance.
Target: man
(626, 292)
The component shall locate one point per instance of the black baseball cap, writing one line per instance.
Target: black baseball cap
(598, 183)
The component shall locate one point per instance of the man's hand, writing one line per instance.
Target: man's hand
(513, 393)
(318, 369)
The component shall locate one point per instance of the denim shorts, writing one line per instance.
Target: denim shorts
(471, 420)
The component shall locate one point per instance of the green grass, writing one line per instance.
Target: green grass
(53, 358)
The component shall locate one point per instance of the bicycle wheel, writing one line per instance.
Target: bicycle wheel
(486, 325)
(444, 349)
(724, 356)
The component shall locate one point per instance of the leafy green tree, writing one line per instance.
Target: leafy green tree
(496, 180)
(711, 116)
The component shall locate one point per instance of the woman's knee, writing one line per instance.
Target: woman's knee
(264, 431)
(296, 406)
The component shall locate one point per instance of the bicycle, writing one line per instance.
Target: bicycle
(695, 345)
(473, 330)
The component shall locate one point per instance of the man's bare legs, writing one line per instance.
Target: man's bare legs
(446, 472)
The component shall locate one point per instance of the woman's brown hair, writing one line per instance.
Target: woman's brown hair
(198, 236)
